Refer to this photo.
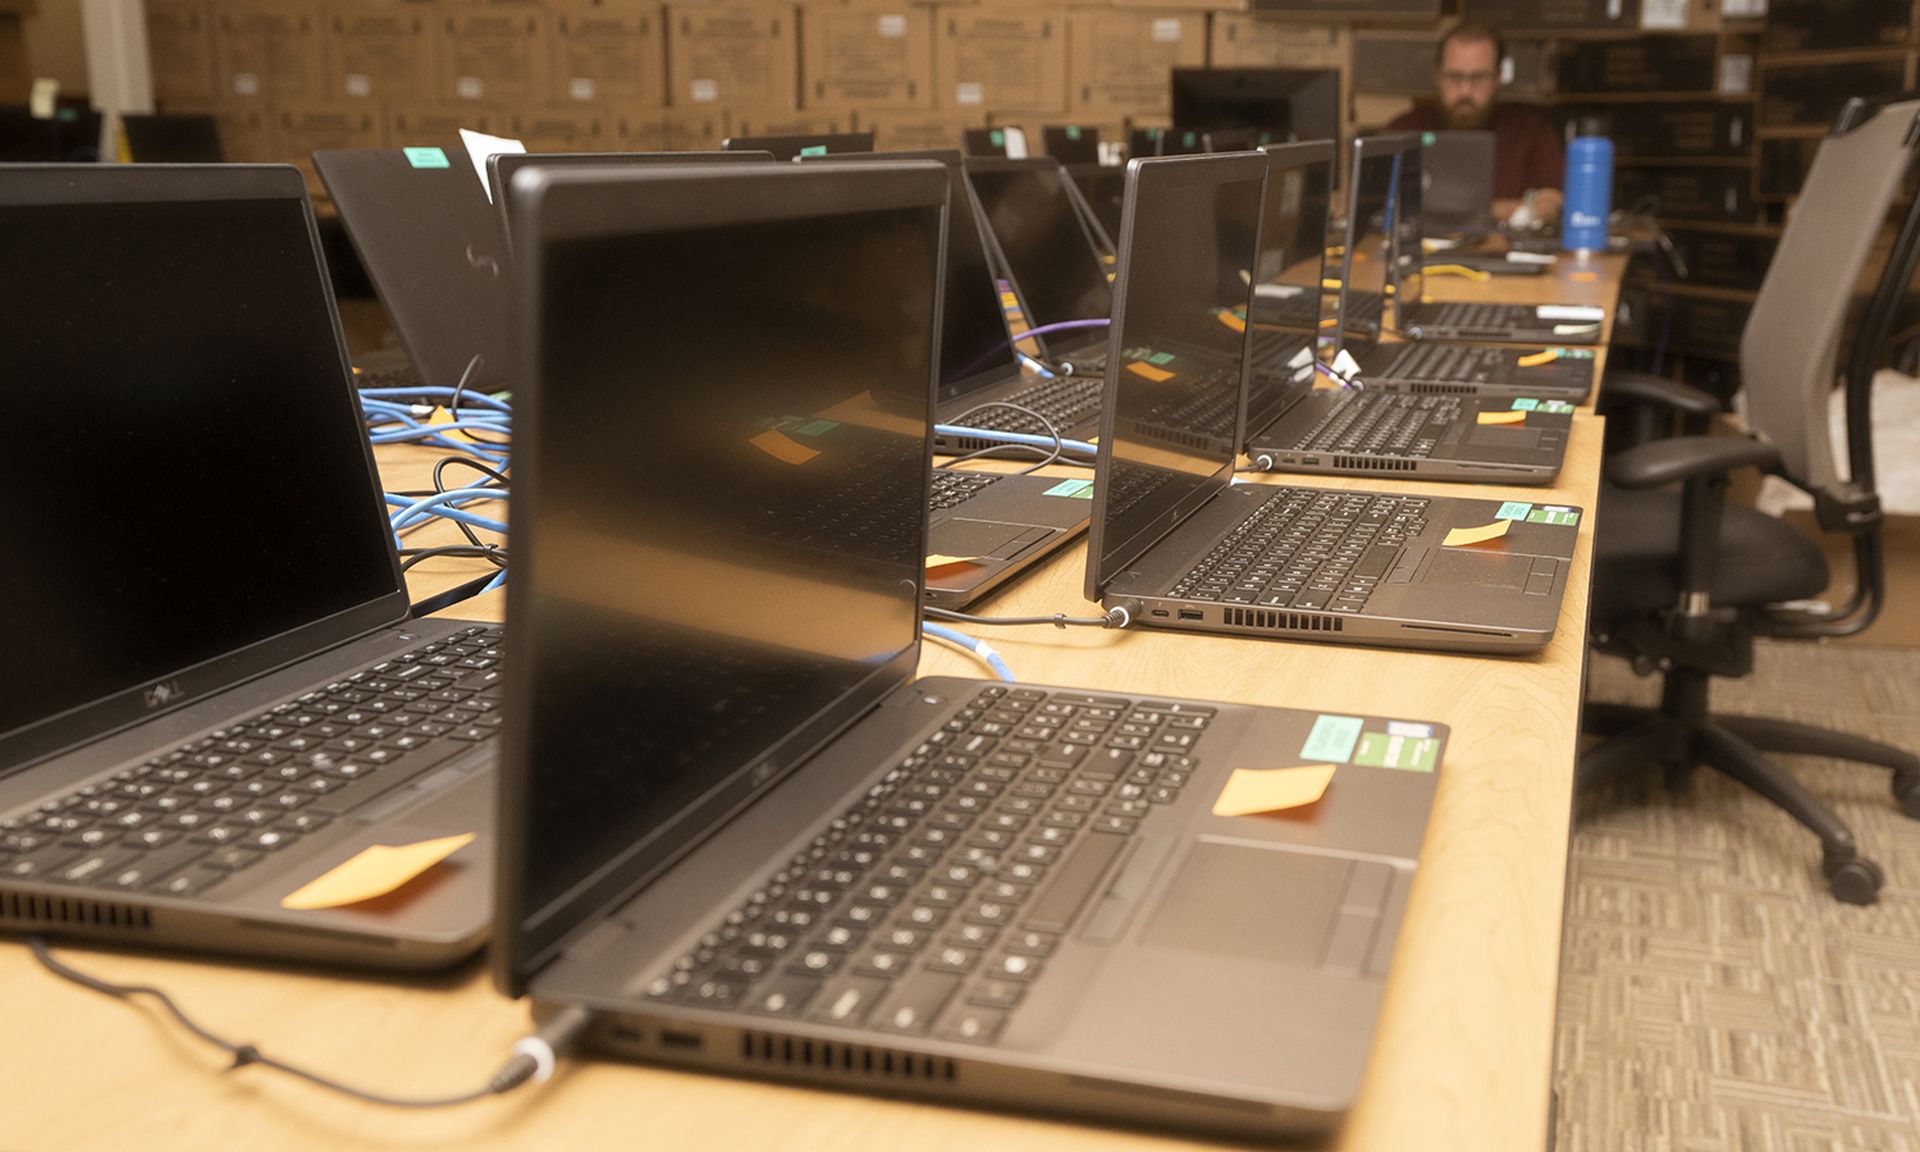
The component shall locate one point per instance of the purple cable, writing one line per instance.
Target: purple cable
(1062, 326)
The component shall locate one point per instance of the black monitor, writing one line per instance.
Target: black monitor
(794, 147)
(1286, 103)
(1071, 143)
(156, 139)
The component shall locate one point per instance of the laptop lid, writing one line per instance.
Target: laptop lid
(1289, 275)
(175, 364)
(1374, 174)
(1051, 256)
(794, 147)
(975, 351)
(720, 513)
(1071, 143)
(420, 223)
(155, 139)
(1456, 182)
(502, 165)
(1174, 408)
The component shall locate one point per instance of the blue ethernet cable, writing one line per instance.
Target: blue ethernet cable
(980, 649)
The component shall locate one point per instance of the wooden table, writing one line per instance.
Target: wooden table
(1462, 1059)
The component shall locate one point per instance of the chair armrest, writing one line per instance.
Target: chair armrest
(1641, 388)
(1662, 462)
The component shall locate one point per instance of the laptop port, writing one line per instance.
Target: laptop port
(1161, 612)
(680, 1041)
(1192, 614)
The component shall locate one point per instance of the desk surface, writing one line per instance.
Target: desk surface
(1464, 1048)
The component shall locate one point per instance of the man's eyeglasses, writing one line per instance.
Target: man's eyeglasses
(1468, 79)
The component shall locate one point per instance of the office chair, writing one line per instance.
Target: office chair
(1682, 582)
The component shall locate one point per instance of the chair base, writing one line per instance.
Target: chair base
(1734, 746)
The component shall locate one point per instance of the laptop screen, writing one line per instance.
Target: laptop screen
(1052, 258)
(1179, 347)
(189, 475)
(172, 139)
(731, 376)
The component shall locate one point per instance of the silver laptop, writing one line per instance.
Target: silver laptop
(1179, 545)
(221, 698)
(788, 858)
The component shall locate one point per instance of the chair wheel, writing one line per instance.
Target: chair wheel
(1907, 792)
(1856, 881)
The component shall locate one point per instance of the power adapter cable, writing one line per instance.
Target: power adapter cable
(1117, 616)
(533, 1057)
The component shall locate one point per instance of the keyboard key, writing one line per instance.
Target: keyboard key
(848, 1001)
(915, 1002)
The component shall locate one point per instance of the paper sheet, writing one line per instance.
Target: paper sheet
(479, 146)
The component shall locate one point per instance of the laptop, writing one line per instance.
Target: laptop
(794, 147)
(866, 881)
(155, 139)
(1456, 181)
(1049, 253)
(1103, 188)
(220, 711)
(1143, 142)
(1178, 544)
(1383, 220)
(502, 165)
(1071, 143)
(992, 141)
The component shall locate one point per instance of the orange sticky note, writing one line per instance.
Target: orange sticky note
(1234, 322)
(1330, 285)
(1535, 359)
(1142, 368)
(1503, 417)
(1249, 792)
(1461, 537)
(375, 871)
(1584, 277)
(938, 563)
(782, 447)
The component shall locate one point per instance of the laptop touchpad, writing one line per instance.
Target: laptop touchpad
(1479, 569)
(982, 538)
(1495, 436)
(1262, 903)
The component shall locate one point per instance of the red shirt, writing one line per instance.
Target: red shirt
(1526, 149)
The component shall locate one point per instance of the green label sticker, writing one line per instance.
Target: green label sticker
(998, 138)
(1073, 131)
(1080, 488)
(1565, 516)
(1189, 139)
(814, 150)
(1383, 750)
(1160, 358)
(1556, 407)
(1525, 405)
(1513, 510)
(1575, 353)
(427, 157)
(1332, 739)
(1428, 139)
(817, 427)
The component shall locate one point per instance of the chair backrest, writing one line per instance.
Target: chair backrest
(1790, 350)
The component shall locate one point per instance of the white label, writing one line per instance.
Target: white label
(1345, 364)
(1278, 291)
(1663, 13)
(246, 84)
(479, 146)
(1506, 70)
(1530, 258)
(357, 84)
(1166, 31)
(1736, 132)
(893, 26)
(969, 94)
(704, 91)
(1736, 73)
(1573, 329)
(1738, 9)
(580, 88)
(1570, 312)
(44, 103)
(467, 87)
(1410, 731)
(1016, 139)
(1614, 8)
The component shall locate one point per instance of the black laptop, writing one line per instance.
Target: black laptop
(222, 698)
(794, 147)
(1071, 143)
(502, 165)
(160, 139)
(1047, 249)
(786, 857)
(1180, 545)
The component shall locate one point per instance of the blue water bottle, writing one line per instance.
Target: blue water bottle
(1583, 218)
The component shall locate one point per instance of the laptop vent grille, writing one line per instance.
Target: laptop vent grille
(23, 911)
(853, 1060)
(1288, 621)
(1430, 387)
(964, 444)
(1374, 464)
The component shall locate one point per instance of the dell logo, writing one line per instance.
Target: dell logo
(480, 260)
(164, 693)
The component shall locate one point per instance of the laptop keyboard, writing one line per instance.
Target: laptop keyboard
(951, 489)
(1452, 363)
(190, 818)
(1064, 400)
(932, 905)
(1307, 549)
(1489, 317)
(1383, 424)
(386, 376)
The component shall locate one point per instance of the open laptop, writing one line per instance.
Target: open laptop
(1071, 143)
(794, 147)
(1049, 253)
(1456, 181)
(1383, 222)
(788, 858)
(502, 165)
(218, 712)
(1180, 545)
(157, 139)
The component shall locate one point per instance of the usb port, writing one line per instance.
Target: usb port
(1161, 612)
(680, 1041)
(1192, 614)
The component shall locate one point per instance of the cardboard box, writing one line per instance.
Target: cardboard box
(438, 125)
(866, 53)
(740, 54)
(1553, 15)
(609, 51)
(671, 129)
(1643, 64)
(180, 51)
(1819, 25)
(1372, 112)
(305, 127)
(1811, 95)
(1680, 15)
(1664, 131)
(1120, 61)
(1362, 9)
(495, 50)
(380, 49)
(1174, 5)
(564, 128)
(1685, 193)
(990, 57)
(1238, 40)
(905, 129)
(786, 122)
(246, 130)
(268, 51)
